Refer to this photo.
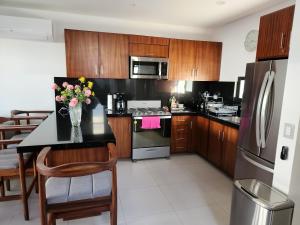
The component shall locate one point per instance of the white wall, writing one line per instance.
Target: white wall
(234, 55)
(284, 172)
(27, 69)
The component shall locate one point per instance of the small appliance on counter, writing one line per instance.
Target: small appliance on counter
(119, 99)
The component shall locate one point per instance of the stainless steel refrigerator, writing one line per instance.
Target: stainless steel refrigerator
(260, 117)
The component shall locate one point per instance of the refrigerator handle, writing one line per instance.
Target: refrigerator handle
(256, 163)
(263, 109)
(258, 110)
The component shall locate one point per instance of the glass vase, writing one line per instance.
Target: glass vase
(75, 115)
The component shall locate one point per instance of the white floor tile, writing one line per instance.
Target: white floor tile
(158, 219)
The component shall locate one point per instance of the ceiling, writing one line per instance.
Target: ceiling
(196, 13)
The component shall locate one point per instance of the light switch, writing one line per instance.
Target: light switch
(289, 130)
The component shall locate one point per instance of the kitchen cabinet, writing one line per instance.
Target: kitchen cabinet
(215, 138)
(200, 128)
(82, 49)
(113, 56)
(181, 134)
(96, 55)
(148, 46)
(194, 60)
(121, 127)
(274, 34)
(229, 147)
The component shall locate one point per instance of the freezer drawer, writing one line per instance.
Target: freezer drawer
(255, 203)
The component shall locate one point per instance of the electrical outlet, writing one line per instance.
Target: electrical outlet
(289, 130)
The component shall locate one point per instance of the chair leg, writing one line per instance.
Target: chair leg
(51, 219)
(8, 184)
(42, 200)
(36, 177)
(113, 213)
(2, 187)
(22, 175)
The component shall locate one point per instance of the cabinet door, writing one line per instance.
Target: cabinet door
(149, 50)
(274, 34)
(200, 135)
(182, 55)
(229, 149)
(208, 61)
(139, 39)
(121, 127)
(82, 53)
(114, 56)
(181, 134)
(215, 143)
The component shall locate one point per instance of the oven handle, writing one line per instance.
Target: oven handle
(161, 117)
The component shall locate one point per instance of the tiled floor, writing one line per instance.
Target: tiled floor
(184, 190)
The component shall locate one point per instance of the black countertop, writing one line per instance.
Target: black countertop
(56, 131)
(232, 121)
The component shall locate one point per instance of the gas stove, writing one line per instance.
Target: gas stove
(140, 108)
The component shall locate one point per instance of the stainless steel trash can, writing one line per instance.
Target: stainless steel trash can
(255, 203)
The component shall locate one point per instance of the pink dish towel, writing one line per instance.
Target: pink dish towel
(151, 122)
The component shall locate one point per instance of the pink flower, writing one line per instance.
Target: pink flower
(73, 102)
(62, 98)
(53, 86)
(58, 98)
(88, 101)
(87, 92)
(70, 87)
(77, 86)
(65, 84)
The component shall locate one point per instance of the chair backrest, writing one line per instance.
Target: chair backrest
(30, 115)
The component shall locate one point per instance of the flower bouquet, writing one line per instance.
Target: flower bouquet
(73, 97)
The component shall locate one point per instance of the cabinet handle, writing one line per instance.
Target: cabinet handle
(223, 136)
(219, 136)
(97, 69)
(180, 129)
(193, 73)
(281, 40)
(196, 74)
(179, 139)
(191, 124)
(101, 70)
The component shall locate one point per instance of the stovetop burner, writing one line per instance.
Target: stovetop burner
(148, 112)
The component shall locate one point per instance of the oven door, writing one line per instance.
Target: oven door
(148, 68)
(149, 138)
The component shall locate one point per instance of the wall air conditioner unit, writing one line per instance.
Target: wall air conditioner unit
(25, 28)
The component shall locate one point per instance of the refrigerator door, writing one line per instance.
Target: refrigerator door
(251, 166)
(271, 110)
(256, 80)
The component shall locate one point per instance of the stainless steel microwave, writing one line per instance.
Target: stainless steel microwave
(148, 68)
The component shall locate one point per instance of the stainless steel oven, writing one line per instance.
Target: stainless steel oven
(151, 143)
(148, 68)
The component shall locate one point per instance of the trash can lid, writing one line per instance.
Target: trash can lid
(266, 196)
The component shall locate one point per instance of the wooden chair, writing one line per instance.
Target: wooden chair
(10, 167)
(77, 190)
(29, 115)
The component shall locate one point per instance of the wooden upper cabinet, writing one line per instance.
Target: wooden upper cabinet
(113, 56)
(274, 34)
(182, 56)
(82, 51)
(229, 147)
(139, 39)
(121, 127)
(208, 61)
(148, 46)
(194, 60)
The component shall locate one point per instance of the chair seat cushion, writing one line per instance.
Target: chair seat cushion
(66, 189)
(9, 159)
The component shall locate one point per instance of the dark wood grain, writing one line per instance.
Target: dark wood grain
(181, 134)
(200, 135)
(229, 148)
(274, 34)
(113, 56)
(121, 127)
(136, 49)
(208, 61)
(82, 53)
(139, 39)
(182, 56)
(214, 153)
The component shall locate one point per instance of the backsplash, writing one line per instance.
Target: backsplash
(186, 92)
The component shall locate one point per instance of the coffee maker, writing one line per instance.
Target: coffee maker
(119, 99)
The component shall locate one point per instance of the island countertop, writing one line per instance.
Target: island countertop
(57, 132)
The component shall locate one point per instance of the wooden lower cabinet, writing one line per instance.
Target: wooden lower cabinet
(200, 135)
(181, 134)
(121, 127)
(215, 143)
(229, 149)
